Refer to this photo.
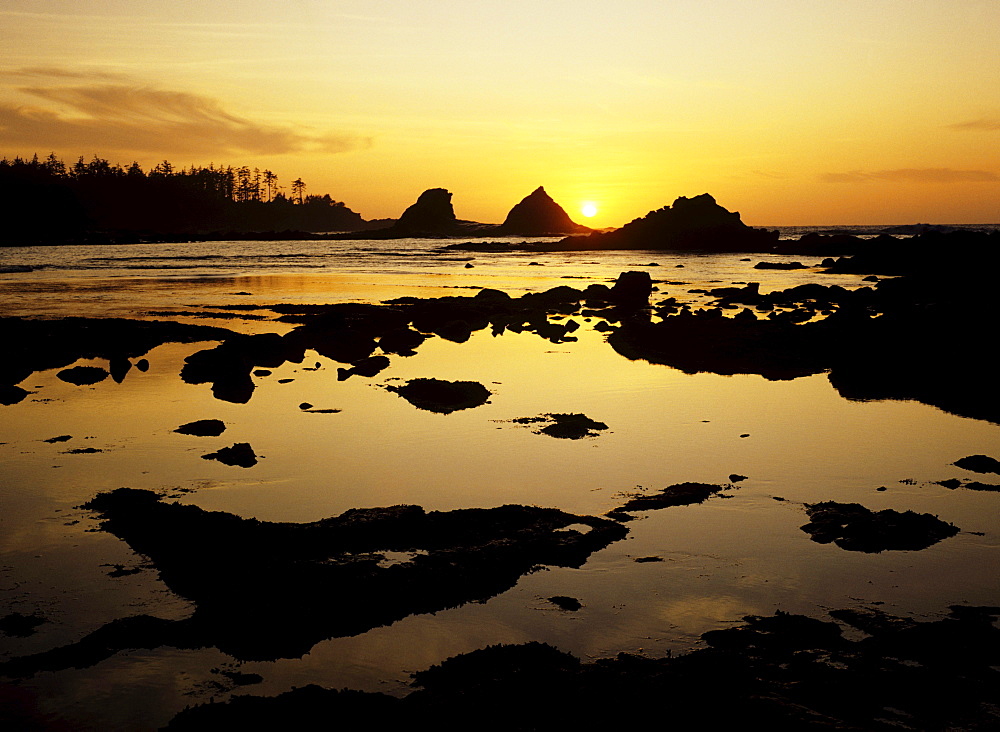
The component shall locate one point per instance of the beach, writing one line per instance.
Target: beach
(333, 434)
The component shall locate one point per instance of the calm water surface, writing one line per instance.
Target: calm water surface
(740, 552)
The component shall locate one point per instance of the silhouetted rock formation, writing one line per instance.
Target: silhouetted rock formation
(267, 590)
(565, 426)
(853, 527)
(538, 215)
(777, 672)
(37, 345)
(443, 397)
(431, 217)
(679, 494)
(690, 224)
(203, 428)
(431, 214)
(241, 454)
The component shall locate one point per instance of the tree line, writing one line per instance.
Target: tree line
(49, 201)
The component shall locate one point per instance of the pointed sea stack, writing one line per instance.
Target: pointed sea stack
(696, 224)
(538, 215)
(432, 214)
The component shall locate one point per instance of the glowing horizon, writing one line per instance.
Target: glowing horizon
(850, 113)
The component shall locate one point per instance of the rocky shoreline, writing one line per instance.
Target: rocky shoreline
(338, 576)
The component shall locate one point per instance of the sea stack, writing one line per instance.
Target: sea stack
(538, 215)
(696, 224)
(432, 214)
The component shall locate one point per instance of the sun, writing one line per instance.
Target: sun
(589, 209)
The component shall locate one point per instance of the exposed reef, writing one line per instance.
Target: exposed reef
(895, 340)
(20, 625)
(83, 375)
(679, 494)
(203, 428)
(38, 345)
(979, 464)
(778, 672)
(853, 527)
(272, 590)
(444, 397)
(240, 455)
(565, 426)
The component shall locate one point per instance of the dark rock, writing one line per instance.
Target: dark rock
(119, 368)
(538, 215)
(646, 560)
(737, 478)
(371, 366)
(239, 454)
(203, 428)
(38, 345)
(853, 527)
(975, 485)
(679, 494)
(632, 289)
(782, 672)
(444, 397)
(11, 394)
(566, 603)
(83, 375)
(979, 464)
(779, 265)
(690, 224)
(431, 214)
(400, 340)
(82, 451)
(567, 426)
(264, 590)
(59, 438)
(20, 625)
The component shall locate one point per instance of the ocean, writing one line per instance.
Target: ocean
(774, 445)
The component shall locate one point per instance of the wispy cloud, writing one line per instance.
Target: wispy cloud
(54, 72)
(105, 116)
(914, 175)
(988, 124)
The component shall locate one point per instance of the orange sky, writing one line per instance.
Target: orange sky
(791, 112)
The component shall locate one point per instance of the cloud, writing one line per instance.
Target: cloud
(54, 72)
(142, 119)
(988, 124)
(914, 175)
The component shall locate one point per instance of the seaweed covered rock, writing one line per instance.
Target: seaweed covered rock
(202, 428)
(240, 454)
(83, 375)
(565, 426)
(679, 494)
(444, 397)
(979, 464)
(267, 590)
(853, 527)
(780, 672)
(36, 345)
